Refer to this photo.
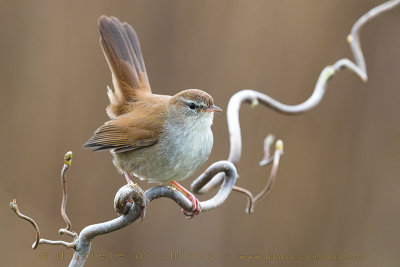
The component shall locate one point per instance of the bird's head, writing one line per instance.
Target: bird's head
(194, 106)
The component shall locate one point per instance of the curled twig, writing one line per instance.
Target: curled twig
(67, 164)
(57, 243)
(272, 177)
(248, 194)
(125, 197)
(253, 97)
(228, 169)
(267, 159)
(14, 207)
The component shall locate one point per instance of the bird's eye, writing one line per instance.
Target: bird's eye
(192, 106)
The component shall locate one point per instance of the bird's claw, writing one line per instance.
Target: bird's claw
(196, 207)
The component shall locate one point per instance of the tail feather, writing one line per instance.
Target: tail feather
(121, 48)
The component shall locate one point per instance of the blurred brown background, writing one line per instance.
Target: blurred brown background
(338, 187)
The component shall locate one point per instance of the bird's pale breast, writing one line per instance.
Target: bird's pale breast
(180, 151)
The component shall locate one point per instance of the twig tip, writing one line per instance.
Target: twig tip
(35, 244)
(330, 71)
(13, 205)
(349, 38)
(254, 102)
(68, 158)
(269, 139)
(279, 145)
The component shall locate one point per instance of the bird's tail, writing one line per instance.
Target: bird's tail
(121, 48)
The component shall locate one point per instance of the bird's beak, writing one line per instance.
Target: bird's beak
(212, 108)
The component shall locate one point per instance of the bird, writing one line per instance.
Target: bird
(157, 138)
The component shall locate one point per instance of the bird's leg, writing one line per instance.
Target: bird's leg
(127, 177)
(196, 207)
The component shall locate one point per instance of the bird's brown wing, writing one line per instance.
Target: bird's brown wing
(121, 48)
(125, 133)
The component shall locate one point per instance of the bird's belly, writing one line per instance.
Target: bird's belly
(169, 159)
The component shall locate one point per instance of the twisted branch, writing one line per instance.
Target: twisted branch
(131, 211)
(130, 201)
(254, 98)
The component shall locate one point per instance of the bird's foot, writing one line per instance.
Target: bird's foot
(143, 214)
(128, 180)
(196, 207)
